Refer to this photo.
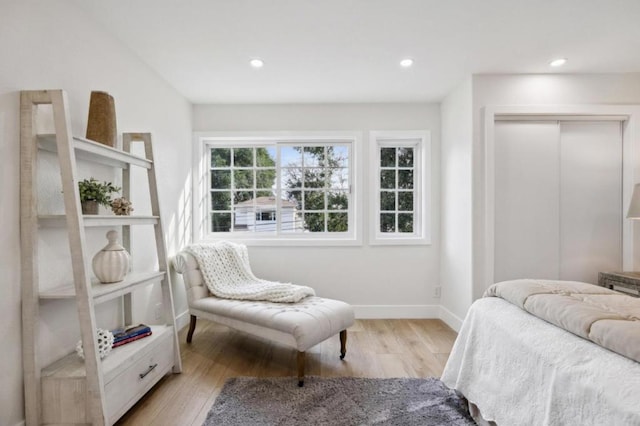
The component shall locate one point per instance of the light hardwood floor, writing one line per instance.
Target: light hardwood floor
(375, 348)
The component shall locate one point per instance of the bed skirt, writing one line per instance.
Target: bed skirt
(520, 370)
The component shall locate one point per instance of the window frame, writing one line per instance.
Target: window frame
(420, 140)
(201, 185)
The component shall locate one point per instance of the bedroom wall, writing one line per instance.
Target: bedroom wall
(382, 281)
(51, 45)
(455, 223)
(553, 89)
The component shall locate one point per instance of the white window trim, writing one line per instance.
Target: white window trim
(200, 187)
(422, 186)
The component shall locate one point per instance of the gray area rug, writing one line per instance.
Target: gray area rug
(337, 401)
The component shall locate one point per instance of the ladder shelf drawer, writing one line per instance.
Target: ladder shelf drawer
(64, 382)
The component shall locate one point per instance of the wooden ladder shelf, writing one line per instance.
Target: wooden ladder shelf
(92, 391)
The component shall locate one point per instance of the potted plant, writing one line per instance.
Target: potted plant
(94, 193)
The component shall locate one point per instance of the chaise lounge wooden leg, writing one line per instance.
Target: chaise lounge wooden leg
(343, 343)
(301, 358)
(192, 327)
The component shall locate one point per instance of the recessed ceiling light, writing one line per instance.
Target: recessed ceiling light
(257, 63)
(558, 62)
(406, 63)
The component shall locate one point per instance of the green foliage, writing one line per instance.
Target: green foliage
(387, 157)
(387, 201)
(388, 222)
(405, 222)
(404, 157)
(93, 190)
(220, 157)
(338, 222)
(220, 222)
(314, 222)
(388, 179)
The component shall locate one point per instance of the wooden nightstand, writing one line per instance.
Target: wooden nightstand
(624, 282)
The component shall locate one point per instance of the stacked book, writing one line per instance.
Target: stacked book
(122, 336)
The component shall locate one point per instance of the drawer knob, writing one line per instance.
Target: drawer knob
(149, 370)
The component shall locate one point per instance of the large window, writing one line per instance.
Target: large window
(267, 187)
(400, 202)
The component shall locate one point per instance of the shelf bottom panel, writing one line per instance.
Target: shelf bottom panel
(129, 371)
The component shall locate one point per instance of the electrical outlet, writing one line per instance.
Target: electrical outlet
(437, 292)
(158, 311)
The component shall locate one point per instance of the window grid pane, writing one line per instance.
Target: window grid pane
(396, 194)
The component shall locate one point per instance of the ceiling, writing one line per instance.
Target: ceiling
(349, 50)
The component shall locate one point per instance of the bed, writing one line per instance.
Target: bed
(518, 369)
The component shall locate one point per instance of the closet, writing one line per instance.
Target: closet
(558, 199)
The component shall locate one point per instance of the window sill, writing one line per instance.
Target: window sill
(285, 241)
(400, 241)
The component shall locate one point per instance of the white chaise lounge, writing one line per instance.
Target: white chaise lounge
(300, 325)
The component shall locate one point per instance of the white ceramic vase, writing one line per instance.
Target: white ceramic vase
(111, 264)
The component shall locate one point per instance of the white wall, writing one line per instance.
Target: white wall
(557, 89)
(380, 281)
(455, 223)
(52, 45)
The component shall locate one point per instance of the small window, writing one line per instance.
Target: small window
(400, 203)
(266, 216)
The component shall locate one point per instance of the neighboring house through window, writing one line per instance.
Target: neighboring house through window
(259, 215)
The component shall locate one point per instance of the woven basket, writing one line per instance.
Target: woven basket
(101, 125)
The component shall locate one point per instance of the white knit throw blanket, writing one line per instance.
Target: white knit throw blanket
(226, 271)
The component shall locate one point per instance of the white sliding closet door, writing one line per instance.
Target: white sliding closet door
(558, 205)
(527, 234)
(590, 199)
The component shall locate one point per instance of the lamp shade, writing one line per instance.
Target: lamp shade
(634, 207)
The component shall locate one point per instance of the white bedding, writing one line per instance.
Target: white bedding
(521, 370)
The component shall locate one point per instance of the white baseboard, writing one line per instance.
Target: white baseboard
(396, 311)
(450, 318)
(182, 320)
